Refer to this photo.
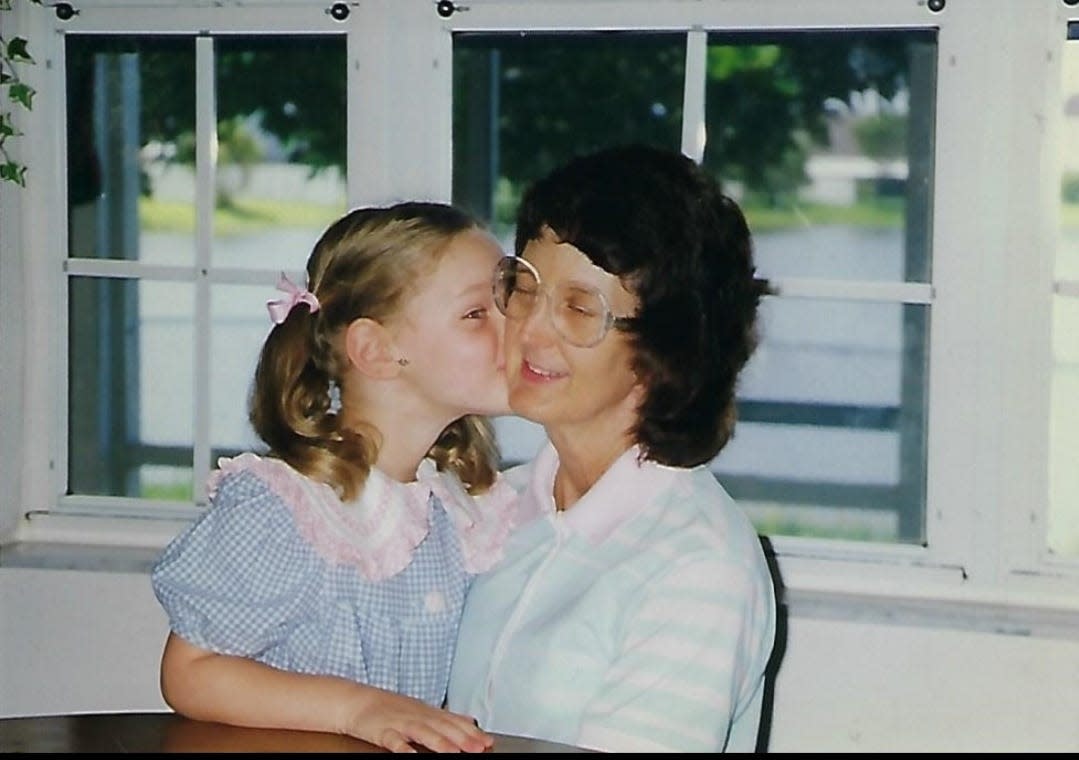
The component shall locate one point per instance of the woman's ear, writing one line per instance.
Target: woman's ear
(370, 349)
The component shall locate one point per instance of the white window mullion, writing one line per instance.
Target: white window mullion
(59, 288)
(400, 118)
(693, 123)
(205, 200)
(850, 290)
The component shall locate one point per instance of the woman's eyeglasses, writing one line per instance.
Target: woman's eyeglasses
(579, 313)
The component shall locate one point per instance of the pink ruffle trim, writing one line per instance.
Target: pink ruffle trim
(378, 533)
(483, 522)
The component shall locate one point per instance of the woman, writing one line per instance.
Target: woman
(634, 610)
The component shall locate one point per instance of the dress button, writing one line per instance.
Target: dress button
(434, 601)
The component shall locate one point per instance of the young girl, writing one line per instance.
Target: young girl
(323, 587)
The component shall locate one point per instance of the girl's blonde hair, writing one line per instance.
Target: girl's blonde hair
(363, 266)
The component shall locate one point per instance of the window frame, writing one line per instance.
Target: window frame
(987, 489)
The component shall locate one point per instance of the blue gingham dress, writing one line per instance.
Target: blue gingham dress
(375, 597)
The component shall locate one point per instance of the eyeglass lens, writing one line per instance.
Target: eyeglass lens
(578, 312)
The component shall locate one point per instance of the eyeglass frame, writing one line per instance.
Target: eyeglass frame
(610, 321)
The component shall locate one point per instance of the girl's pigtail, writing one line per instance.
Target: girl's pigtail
(468, 448)
(279, 406)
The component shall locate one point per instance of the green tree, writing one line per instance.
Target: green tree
(882, 135)
(295, 85)
(550, 96)
(765, 97)
(558, 95)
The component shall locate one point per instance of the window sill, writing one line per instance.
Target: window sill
(873, 589)
(96, 544)
(80, 557)
(981, 615)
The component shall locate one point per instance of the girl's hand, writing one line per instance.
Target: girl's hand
(404, 724)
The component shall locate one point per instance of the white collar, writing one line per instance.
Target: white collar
(626, 488)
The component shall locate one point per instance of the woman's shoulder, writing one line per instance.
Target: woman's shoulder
(693, 516)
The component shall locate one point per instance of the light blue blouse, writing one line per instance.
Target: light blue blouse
(640, 620)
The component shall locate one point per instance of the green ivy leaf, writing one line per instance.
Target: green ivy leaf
(13, 52)
(16, 50)
(5, 5)
(22, 93)
(13, 172)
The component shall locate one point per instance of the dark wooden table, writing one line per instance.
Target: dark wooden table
(169, 732)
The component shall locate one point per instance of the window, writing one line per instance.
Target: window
(826, 138)
(907, 425)
(165, 313)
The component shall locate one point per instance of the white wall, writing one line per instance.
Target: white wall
(77, 641)
(90, 641)
(863, 687)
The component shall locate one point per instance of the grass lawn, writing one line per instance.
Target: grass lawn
(243, 216)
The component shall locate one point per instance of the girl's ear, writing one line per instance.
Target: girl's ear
(370, 349)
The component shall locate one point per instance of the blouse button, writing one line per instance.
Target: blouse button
(434, 602)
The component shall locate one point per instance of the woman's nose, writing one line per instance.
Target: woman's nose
(537, 325)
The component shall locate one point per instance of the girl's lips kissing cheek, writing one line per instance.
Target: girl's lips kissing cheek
(536, 374)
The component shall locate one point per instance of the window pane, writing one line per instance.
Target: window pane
(129, 98)
(130, 381)
(831, 434)
(523, 103)
(280, 182)
(240, 325)
(825, 139)
(281, 147)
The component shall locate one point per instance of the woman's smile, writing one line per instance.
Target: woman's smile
(535, 373)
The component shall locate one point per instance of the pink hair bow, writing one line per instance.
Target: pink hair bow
(280, 308)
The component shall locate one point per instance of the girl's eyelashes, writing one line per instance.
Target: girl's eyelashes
(480, 312)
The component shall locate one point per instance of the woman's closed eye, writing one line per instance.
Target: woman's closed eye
(579, 309)
(581, 303)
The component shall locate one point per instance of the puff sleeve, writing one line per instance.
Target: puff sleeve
(240, 577)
